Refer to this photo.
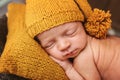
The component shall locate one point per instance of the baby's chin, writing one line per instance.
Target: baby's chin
(69, 57)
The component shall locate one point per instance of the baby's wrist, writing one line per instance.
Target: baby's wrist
(69, 69)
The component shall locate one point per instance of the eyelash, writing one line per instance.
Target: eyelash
(49, 45)
(70, 32)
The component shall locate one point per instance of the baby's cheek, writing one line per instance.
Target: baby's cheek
(81, 43)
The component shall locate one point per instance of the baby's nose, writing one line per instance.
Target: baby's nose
(64, 45)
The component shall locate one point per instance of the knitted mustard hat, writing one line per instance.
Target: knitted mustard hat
(42, 15)
(22, 55)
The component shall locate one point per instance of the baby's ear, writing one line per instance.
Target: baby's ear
(22, 55)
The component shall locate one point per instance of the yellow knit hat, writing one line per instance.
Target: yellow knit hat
(42, 15)
(22, 55)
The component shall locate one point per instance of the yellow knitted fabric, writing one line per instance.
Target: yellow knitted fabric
(42, 15)
(22, 55)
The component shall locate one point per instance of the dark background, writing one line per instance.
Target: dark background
(114, 7)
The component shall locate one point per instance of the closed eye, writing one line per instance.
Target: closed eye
(70, 32)
(49, 44)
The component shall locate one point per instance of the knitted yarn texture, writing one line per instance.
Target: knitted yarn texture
(42, 15)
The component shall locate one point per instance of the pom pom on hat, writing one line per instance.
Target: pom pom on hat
(98, 23)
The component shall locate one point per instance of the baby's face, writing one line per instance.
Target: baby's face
(64, 41)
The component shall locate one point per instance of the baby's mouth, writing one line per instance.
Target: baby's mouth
(72, 53)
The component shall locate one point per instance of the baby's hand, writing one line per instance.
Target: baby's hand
(69, 69)
(65, 64)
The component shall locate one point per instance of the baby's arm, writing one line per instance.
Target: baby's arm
(73, 74)
(85, 65)
(69, 69)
